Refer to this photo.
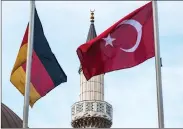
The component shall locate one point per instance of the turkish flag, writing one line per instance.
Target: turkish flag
(127, 43)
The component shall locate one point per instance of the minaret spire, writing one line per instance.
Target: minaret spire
(92, 33)
(92, 16)
(91, 111)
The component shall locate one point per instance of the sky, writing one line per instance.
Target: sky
(131, 92)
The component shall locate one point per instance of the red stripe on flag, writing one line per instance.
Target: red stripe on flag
(26, 35)
(39, 76)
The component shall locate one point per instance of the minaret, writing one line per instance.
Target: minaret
(91, 111)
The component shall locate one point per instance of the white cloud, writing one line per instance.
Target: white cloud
(134, 100)
(170, 17)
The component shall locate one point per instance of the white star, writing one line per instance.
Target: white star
(109, 40)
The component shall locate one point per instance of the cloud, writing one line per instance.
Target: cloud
(169, 15)
(134, 100)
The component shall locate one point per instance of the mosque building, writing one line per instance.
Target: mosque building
(9, 119)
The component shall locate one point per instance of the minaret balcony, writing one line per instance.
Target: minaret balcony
(92, 108)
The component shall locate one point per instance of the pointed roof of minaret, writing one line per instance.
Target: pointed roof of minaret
(92, 33)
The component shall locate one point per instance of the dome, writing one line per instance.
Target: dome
(9, 119)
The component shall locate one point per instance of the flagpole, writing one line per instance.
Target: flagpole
(158, 67)
(28, 65)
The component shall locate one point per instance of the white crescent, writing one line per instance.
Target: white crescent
(138, 28)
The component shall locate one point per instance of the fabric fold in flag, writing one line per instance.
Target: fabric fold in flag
(127, 43)
(46, 72)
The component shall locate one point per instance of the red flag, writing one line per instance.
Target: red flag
(126, 44)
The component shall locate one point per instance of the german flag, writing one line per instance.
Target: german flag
(46, 72)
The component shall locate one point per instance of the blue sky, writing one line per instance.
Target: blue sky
(132, 92)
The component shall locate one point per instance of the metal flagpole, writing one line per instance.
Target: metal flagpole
(28, 65)
(158, 66)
